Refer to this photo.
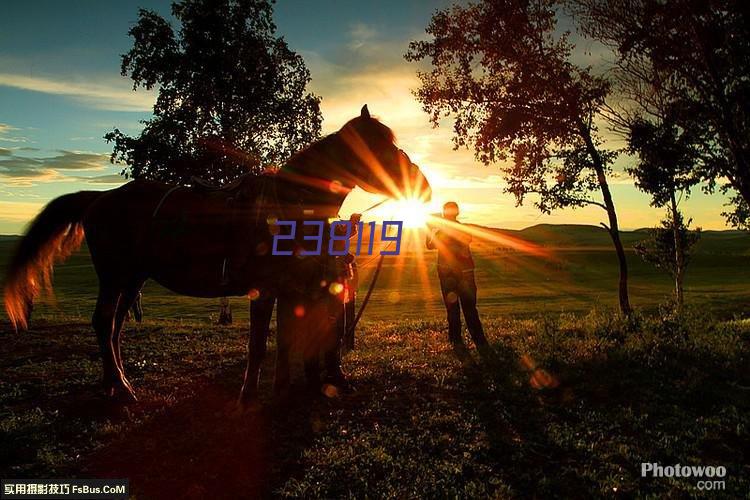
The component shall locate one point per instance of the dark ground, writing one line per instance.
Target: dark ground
(566, 408)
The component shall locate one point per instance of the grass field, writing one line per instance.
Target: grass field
(577, 271)
(570, 404)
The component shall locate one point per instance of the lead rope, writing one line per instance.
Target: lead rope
(376, 205)
(350, 330)
(163, 199)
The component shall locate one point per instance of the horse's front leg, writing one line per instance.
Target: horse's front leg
(332, 346)
(285, 322)
(261, 310)
(312, 369)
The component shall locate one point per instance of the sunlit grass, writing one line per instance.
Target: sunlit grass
(419, 424)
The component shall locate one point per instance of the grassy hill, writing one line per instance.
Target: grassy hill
(587, 236)
(584, 236)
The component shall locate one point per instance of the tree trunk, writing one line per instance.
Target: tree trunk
(614, 229)
(679, 254)
(614, 233)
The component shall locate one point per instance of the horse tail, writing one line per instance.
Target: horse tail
(51, 237)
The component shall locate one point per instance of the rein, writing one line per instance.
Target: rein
(163, 199)
(350, 330)
(375, 205)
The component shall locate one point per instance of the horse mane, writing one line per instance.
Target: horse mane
(371, 130)
(305, 161)
(323, 160)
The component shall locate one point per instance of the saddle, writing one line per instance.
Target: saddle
(247, 191)
(201, 185)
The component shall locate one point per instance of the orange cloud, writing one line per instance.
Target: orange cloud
(110, 94)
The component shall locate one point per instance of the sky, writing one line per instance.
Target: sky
(61, 91)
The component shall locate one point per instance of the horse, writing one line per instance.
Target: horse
(335, 307)
(205, 242)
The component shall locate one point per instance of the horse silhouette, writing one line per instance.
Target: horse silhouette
(205, 242)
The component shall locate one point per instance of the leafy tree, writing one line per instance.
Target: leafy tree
(660, 248)
(504, 72)
(667, 158)
(702, 49)
(232, 96)
(739, 213)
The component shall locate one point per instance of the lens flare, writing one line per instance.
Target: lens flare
(412, 211)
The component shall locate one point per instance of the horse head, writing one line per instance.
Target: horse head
(379, 165)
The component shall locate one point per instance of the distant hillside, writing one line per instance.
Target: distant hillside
(585, 236)
(579, 235)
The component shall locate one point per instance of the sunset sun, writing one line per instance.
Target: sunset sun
(412, 211)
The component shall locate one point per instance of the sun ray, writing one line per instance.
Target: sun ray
(413, 211)
(495, 237)
(362, 150)
(410, 271)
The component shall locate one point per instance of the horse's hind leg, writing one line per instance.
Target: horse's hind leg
(261, 310)
(104, 323)
(125, 302)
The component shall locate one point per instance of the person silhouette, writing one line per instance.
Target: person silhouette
(455, 266)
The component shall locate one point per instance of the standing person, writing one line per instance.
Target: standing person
(456, 272)
(344, 311)
(261, 312)
(351, 285)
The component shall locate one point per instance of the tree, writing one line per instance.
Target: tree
(660, 248)
(739, 213)
(505, 74)
(667, 158)
(231, 99)
(232, 96)
(703, 51)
